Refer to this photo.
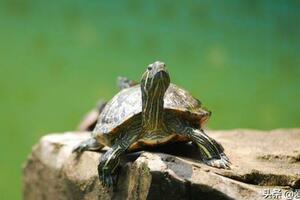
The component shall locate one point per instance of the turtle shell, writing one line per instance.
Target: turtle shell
(127, 104)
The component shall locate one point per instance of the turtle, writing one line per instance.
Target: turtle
(152, 113)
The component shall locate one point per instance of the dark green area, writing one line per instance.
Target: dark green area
(57, 58)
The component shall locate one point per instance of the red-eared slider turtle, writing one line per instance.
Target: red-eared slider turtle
(152, 113)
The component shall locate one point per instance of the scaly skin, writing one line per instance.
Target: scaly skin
(153, 126)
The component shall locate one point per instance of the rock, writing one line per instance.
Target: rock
(262, 161)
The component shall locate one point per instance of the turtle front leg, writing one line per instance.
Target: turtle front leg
(110, 160)
(90, 144)
(212, 152)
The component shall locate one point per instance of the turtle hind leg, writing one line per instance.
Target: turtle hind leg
(90, 144)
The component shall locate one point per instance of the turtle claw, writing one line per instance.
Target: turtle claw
(107, 181)
(222, 163)
(223, 156)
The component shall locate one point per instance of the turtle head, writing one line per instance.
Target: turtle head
(154, 84)
(155, 80)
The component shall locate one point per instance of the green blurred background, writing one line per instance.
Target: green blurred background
(57, 58)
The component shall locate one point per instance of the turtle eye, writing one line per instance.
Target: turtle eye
(149, 68)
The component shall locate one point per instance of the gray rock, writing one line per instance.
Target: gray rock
(262, 161)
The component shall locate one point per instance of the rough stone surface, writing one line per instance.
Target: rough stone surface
(260, 160)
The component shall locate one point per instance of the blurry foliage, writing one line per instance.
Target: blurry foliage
(57, 58)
